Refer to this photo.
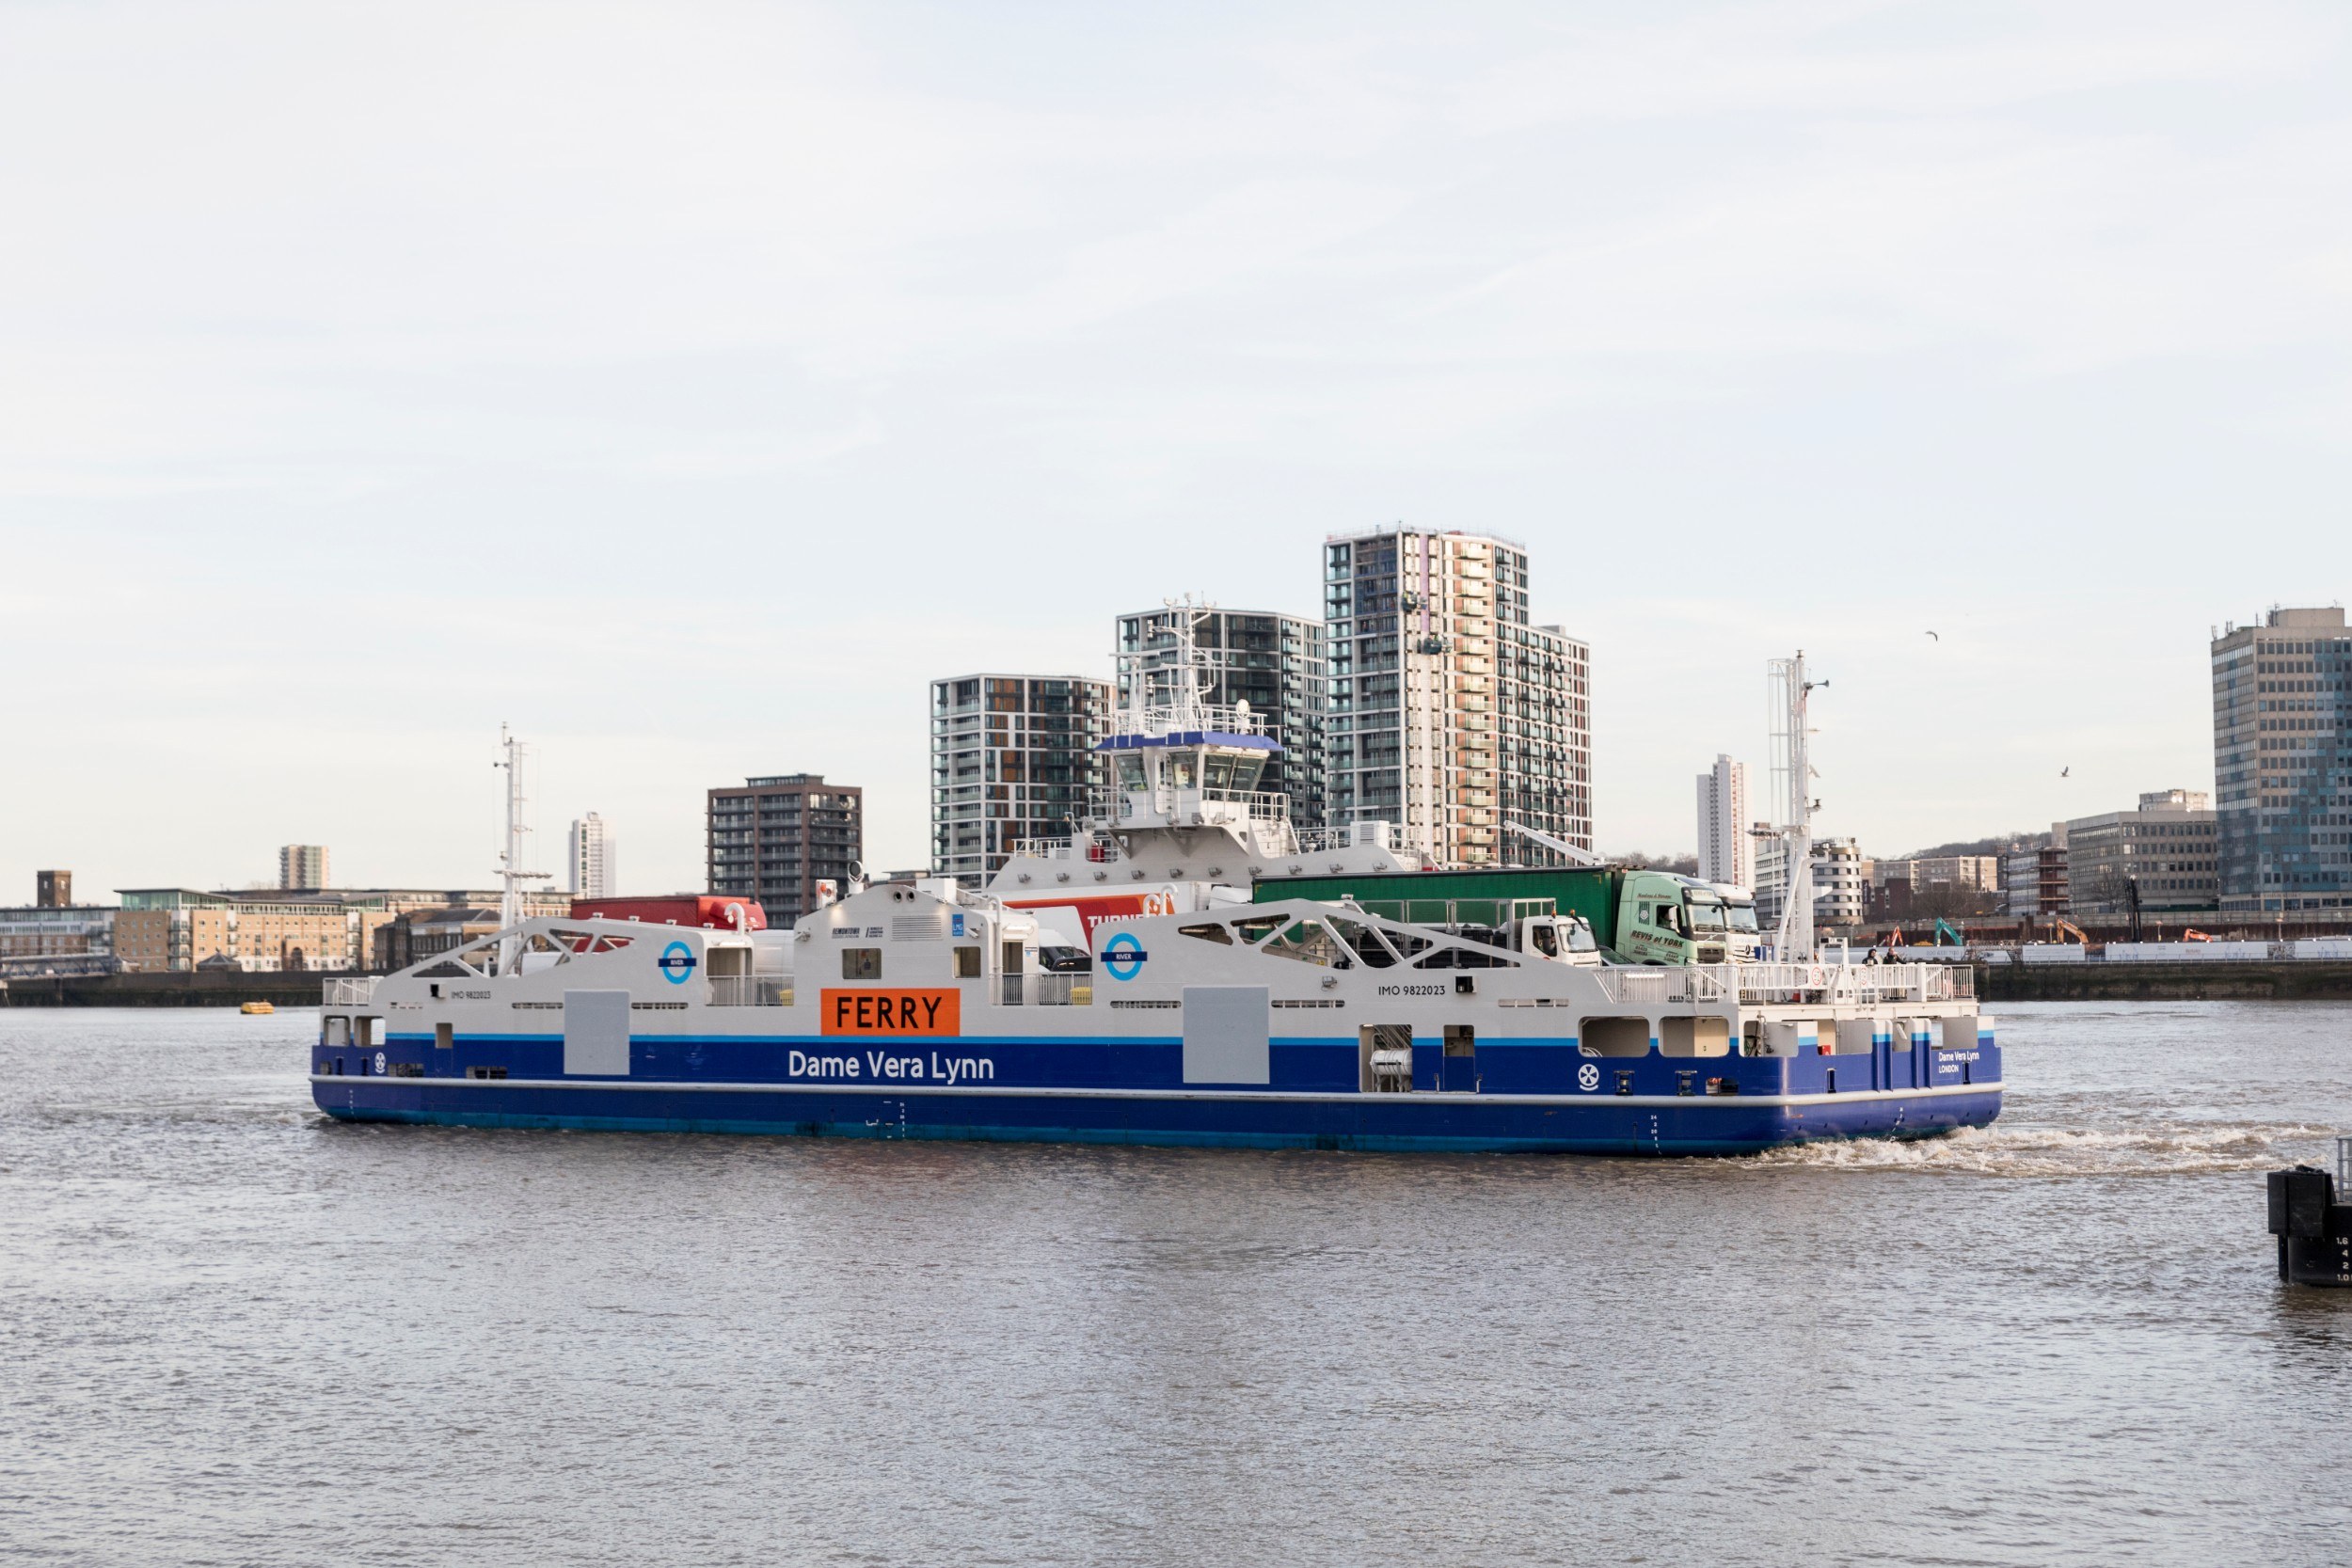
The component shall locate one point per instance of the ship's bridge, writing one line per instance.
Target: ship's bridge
(1166, 776)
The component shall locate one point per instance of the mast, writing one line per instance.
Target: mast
(511, 875)
(1793, 767)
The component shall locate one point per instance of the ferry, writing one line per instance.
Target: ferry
(1059, 1006)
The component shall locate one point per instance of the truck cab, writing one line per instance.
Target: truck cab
(1562, 938)
(1742, 938)
(1664, 918)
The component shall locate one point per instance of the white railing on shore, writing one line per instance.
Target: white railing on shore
(350, 990)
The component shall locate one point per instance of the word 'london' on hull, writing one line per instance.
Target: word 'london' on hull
(927, 1012)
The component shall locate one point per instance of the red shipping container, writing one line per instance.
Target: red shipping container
(719, 912)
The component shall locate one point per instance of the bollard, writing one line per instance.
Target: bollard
(2314, 1231)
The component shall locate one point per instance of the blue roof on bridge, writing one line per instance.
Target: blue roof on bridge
(1190, 738)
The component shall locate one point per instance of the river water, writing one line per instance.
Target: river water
(239, 1333)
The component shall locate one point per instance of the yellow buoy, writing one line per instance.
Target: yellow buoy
(257, 1009)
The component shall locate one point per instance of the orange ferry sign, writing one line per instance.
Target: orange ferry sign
(895, 1013)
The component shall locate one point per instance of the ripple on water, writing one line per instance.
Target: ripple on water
(2013, 1149)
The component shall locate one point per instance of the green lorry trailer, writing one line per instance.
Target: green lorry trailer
(1643, 916)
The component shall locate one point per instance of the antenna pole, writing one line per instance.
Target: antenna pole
(511, 874)
(1795, 936)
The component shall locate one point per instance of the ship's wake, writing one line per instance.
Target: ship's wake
(2009, 1148)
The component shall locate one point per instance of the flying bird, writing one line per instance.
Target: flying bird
(2065, 772)
(1938, 639)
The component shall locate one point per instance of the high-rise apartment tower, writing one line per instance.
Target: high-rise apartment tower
(1013, 757)
(777, 837)
(302, 865)
(1450, 713)
(1727, 851)
(594, 857)
(2283, 762)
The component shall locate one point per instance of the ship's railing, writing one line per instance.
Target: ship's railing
(1625, 983)
(1265, 806)
(1862, 984)
(1707, 983)
(1639, 984)
(350, 990)
(751, 990)
(1372, 832)
(1045, 990)
(1057, 849)
(1063, 991)
(1185, 717)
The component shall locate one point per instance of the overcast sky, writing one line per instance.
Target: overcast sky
(688, 384)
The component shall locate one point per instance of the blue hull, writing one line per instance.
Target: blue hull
(1416, 1122)
(1527, 1095)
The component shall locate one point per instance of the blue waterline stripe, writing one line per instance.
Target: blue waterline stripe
(1711, 1101)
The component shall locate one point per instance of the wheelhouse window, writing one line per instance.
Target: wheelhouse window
(861, 963)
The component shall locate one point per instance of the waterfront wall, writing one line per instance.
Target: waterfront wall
(210, 989)
(2212, 981)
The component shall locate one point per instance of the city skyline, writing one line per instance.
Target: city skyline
(550, 844)
(1989, 337)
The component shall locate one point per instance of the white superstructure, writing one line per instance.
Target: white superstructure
(1182, 823)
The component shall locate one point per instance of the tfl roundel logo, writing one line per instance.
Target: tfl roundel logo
(1122, 956)
(1588, 1077)
(676, 963)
